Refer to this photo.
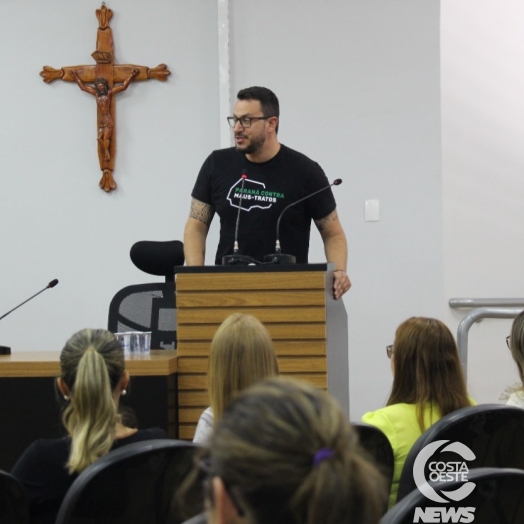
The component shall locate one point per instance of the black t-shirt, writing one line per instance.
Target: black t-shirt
(269, 187)
(42, 471)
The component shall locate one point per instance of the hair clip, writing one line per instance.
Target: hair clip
(322, 454)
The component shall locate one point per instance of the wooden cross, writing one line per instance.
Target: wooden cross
(104, 75)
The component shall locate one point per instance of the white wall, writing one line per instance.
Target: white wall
(359, 85)
(482, 46)
(55, 221)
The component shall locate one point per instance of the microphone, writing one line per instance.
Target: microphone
(236, 258)
(278, 257)
(5, 350)
(51, 284)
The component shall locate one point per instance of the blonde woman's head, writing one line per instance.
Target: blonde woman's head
(241, 354)
(92, 375)
(284, 452)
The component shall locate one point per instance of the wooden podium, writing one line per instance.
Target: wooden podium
(307, 325)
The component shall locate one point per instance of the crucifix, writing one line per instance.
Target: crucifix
(104, 75)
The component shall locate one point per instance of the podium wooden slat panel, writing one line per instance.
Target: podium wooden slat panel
(215, 315)
(192, 283)
(292, 305)
(199, 382)
(193, 399)
(189, 415)
(239, 299)
(282, 347)
(198, 365)
(291, 331)
(186, 431)
(192, 382)
(292, 365)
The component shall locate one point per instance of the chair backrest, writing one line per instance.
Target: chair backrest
(379, 449)
(493, 432)
(158, 258)
(497, 498)
(377, 445)
(14, 507)
(146, 307)
(134, 484)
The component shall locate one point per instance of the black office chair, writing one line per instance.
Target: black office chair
(379, 449)
(14, 507)
(498, 498)
(146, 307)
(493, 432)
(158, 258)
(150, 307)
(134, 484)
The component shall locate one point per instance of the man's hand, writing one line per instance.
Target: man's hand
(341, 283)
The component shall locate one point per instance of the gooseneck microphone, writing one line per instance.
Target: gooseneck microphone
(235, 245)
(51, 284)
(5, 350)
(278, 257)
(236, 257)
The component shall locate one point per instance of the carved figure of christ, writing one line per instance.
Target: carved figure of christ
(104, 96)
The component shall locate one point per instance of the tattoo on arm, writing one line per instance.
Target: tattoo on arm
(323, 222)
(202, 212)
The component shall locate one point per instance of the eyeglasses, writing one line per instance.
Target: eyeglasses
(389, 351)
(508, 341)
(244, 121)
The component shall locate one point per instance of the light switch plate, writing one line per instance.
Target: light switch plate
(372, 210)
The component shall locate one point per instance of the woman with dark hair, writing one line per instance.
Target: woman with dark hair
(283, 453)
(516, 345)
(92, 379)
(428, 383)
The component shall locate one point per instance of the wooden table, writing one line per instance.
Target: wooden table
(30, 407)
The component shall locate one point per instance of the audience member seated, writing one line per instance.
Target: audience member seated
(283, 452)
(428, 383)
(241, 354)
(92, 378)
(516, 345)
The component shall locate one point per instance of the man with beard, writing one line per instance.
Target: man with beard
(269, 176)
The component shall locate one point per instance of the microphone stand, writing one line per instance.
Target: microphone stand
(5, 350)
(236, 258)
(278, 257)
